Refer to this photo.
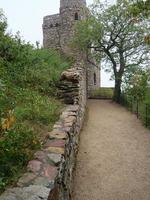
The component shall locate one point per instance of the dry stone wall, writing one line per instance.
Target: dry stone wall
(49, 175)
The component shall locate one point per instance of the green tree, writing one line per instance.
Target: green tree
(140, 8)
(137, 83)
(3, 23)
(116, 37)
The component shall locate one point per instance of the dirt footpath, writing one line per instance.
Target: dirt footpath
(114, 156)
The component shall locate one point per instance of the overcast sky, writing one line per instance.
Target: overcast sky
(26, 16)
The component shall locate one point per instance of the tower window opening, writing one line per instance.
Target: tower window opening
(51, 26)
(76, 17)
(56, 24)
(94, 78)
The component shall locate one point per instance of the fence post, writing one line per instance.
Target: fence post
(137, 109)
(146, 115)
(132, 102)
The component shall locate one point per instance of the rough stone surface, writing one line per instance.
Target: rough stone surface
(55, 158)
(34, 166)
(26, 179)
(33, 192)
(41, 156)
(55, 143)
(44, 181)
(58, 30)
(57, 150)
(49, 171)
(57, 134)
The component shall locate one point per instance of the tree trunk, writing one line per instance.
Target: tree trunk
(117, 90)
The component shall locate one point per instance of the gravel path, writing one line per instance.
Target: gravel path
(114, 156)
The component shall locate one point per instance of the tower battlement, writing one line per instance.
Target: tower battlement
(51, 19)
(58, 28)
(51, 26)
(72, 3)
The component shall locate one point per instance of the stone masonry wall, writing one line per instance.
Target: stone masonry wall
(58, 31)
(93, 77)
(49, 175)
(51, 31)
(70, 3)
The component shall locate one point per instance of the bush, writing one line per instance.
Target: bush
(45, 70)
(28, 100)
(34, 107)
(16, 148)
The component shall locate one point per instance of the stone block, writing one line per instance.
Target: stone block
(34, 166)
(58, 134)
(26, 179)
(41, 156)
(55, 158)
(56, 150)
(70, 119)
(44, 181)
(70, 76)
(33, 192)
(55, 143)
(49, 171)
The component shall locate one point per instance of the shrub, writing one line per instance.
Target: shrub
(28, 100)
(16, 148)
(34, 107)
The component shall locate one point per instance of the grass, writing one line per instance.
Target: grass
(28, 108)
(28, 100)
(103, 93)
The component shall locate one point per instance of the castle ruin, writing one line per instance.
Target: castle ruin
(58, 30)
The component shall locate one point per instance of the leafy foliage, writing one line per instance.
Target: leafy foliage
(136, 84)
(136, 94)
(116, 36)
(28, 100)
(15, 151)
(140, 8)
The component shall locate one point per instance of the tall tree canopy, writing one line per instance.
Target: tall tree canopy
(140, 7)
(114, 35)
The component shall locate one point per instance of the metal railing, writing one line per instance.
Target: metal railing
(141, 109)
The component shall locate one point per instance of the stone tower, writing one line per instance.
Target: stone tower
(58, 30)
(70, 12)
